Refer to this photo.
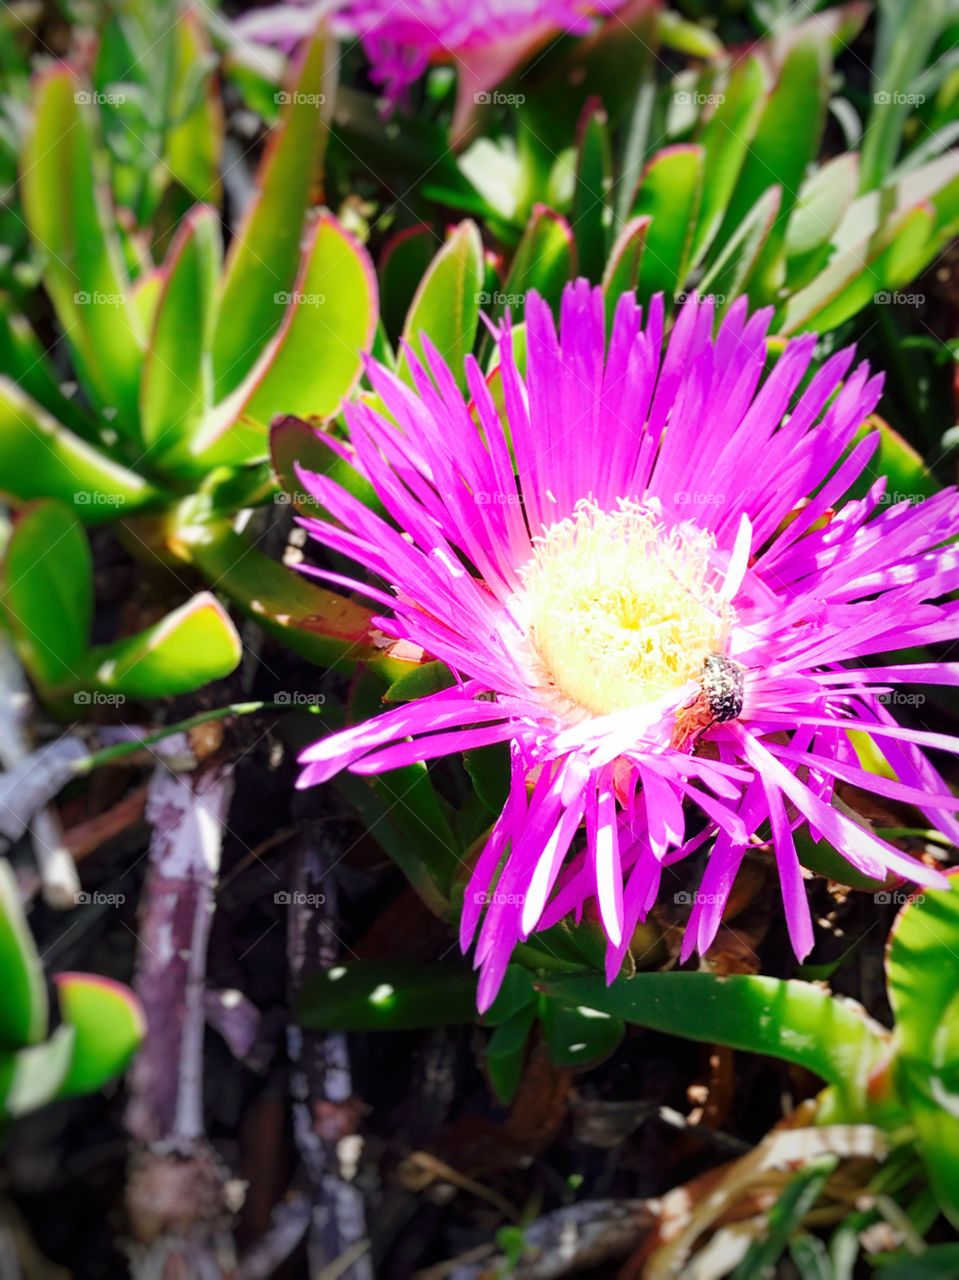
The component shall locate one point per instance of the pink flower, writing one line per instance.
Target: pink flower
(486, 40)
(647, 583)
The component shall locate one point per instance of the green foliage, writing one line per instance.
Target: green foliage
(101, 1022)
(47, 587)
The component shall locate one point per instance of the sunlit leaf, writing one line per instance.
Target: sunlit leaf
(264, 255)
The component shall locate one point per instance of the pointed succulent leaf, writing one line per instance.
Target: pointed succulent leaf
(47, 577)
(108, 1025)
(40, 458)
(66, 208)
(447, 302)
(670, 191)
(591, 214)
(795, 1021)
(263, 257)
(313, 362)
(192, 646)
(23, 1010)
(175, 386)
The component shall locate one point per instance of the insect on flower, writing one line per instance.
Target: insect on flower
(719, 700)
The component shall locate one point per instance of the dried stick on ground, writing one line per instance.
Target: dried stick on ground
(176, 1190)
(324, 1113)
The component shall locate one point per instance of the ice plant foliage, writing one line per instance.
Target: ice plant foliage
(646, 580)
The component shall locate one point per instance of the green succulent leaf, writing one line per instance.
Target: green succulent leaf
(194, 145)
(65, 208)
(623, 266)
(263, 257)
(394, 996)
(293, 443)
(669, 193)
(577, 1036)
(419, 682)
(41, 458)
(791, 1020)
(786, 138)
(175, 387)
(545, 260)
(594, 171)
(23, 1010)
(506, 1052)
(447, 302)
(47, 577)
(325, 627)
(314, 360)
(725, 139)
(731, 273)
(192, 646)
(822, 204)
(108, 1025)
(33, 1077)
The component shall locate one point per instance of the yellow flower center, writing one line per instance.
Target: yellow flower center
(621, 610)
